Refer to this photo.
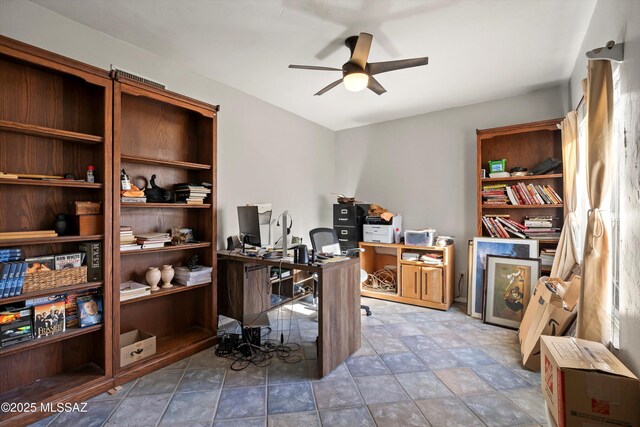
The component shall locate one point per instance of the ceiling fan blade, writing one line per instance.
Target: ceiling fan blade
(375, 86)
(383, 67)
(329, 87)
(313, 67)
(361, 51)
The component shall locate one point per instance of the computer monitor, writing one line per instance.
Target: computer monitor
(249, 225)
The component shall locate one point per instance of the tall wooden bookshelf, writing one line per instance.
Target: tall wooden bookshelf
(525, 145)
(174, 137)
(55, 118)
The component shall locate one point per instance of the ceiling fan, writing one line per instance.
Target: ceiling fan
(357, 73)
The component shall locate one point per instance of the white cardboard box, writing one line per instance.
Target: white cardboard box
(136, 345)
(585, 385)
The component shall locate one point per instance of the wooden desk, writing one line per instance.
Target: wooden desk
(240, 291)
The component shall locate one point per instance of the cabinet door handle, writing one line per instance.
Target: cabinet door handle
(344, 231)
(415, 282)
(343, 211)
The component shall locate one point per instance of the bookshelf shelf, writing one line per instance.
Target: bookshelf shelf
(46, 132)
(165, 205)
(164, 292)
(523, 178)
(38, 342)
(168, 344)
(46, 389)
(160, 162)
(522, 206)
(50, 183)
(184, 247)
(56, 291)
(49, 240)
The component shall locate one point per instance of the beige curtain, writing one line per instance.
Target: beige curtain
(567, 253)
(594, 322)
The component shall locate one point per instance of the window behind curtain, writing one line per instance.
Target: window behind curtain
(618, 145)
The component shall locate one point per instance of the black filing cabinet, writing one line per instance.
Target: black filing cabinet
(347, 221)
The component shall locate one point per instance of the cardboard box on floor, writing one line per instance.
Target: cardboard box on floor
(585, 385)
(550, 311)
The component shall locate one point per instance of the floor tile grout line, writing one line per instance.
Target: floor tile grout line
(173, 393)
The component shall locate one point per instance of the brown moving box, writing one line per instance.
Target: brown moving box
(585, 385)
(551, 310)
(136, 345)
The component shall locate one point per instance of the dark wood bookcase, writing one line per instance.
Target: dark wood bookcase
(55, 118)
(525, 145)
(174, 137)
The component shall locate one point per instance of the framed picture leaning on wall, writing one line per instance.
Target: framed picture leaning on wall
(509, 283)
(483, 246)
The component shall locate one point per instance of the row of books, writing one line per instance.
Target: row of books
(520, 194)
(51, 315)
(503, 226)
(192, 194)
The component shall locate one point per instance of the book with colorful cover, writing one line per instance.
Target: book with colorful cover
(40, 263)
(18, 279)
(49, 318)
(90, 310)
(72, 260)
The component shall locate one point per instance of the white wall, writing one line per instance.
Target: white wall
(254, 137)
(424, 167)
(620, 21)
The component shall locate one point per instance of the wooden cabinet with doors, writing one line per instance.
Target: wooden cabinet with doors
(423, 283)
(417, 283)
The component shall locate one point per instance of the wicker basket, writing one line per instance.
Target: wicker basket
(52, 279)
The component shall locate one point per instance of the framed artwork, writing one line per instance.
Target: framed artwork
(509, 284)
(483, 246)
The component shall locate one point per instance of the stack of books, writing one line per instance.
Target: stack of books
(131, 289)
(538, 228)
(520, 194)
(153, 240)
(546, 258)
(494, 194)
(128, 241)
(541, 228)
(192, 194)
(197, 276)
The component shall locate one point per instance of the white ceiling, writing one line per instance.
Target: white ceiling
(478, 50)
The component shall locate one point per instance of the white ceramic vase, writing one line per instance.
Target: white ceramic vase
(153, 276)
(167, 274)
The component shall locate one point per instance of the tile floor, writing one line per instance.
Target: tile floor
(416, 367)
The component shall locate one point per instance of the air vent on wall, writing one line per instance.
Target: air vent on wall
(129, 75)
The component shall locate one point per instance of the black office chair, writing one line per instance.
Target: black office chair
(323, 237)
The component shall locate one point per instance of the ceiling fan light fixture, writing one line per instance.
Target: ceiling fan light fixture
(355, 82)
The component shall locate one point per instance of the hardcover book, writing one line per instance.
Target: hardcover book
(73, 260)
(49, 318)
(89, 310)
(93, 257)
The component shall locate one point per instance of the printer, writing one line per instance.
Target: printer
(377, 230)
